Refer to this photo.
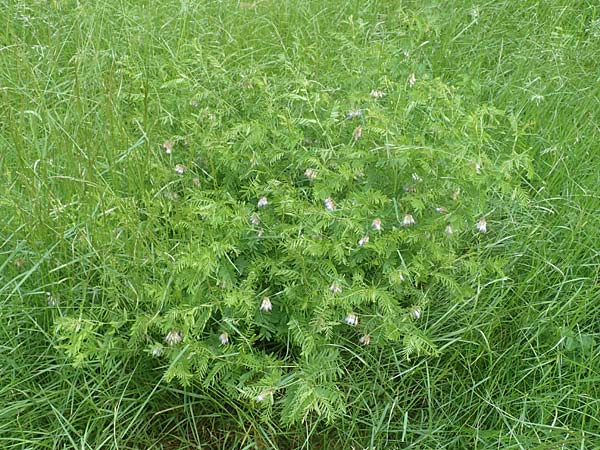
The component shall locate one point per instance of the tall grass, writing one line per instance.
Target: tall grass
(90, 90)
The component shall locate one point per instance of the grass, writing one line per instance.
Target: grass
(90, 90)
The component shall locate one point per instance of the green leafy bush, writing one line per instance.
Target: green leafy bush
(309, 226)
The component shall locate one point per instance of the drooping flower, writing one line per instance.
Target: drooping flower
(335, 288)
(266, 305)
(260, 232)
(441, 210)
(363, 240)
(376, 93)
(365, 340)
(224, 338)
(156, 351)
(376, 224)
(449, 230)
(357, 113)
(351, 319)
(180, 169)
(357, 133)
(311, 174)
(255, 220)
(196, 181)
(264, 395)
(51, 299)
(408, 220)
(415, 312)
(173, 337)
(168, 147)
(412, 79)
(262, 202)
(416, 177)
(482, 225)
(329, 204)
(456, 194)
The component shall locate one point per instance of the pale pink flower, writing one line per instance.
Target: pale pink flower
(482, 225)
(224, 338)
(415, 312)
(351, 319)
(168, 147)
(363, 240)
(412, 79)
(266, 305)
(365, 340)
(173, 337)
(376, 224)
(254, 219)
(335, 288)
(262, 202)
(329, 204)
(311, 174)
(180, 169)
(264, 395)
(408, 220)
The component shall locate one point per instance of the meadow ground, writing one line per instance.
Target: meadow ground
(90, 90)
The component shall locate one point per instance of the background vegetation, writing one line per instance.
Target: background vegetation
(95, 223)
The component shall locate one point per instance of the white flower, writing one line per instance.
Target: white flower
(311, 174)
(224, 338)
(477, 167)
(412, 80)
(354, 114)
(156, 351)
(449, 230)
(263, 395)
(262, 202)
(168, 147)
(482, 225)
(51, 299)
(416, 178)
(335, 288)
(376, 224)
(174, 337)
(537, 98)
(180, 169)
(329, 204)
(441, 210)
(351, 319)
(196, 181)
(456, 194)
(254, 219)
(260, 232)
(363, 240)
(266, 305)
(415, 312)
(357, 133)
(375, 93)
(408, 220)
(365, 340)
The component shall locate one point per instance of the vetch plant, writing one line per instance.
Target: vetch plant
(294, 249)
